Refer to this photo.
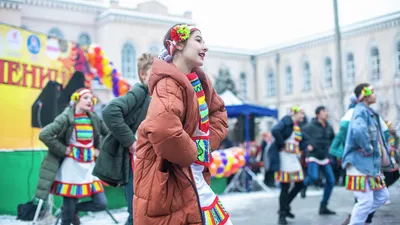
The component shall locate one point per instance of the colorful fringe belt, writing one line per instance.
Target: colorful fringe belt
(358, 183)
(287, 177)
(81, 154)
(292, 148)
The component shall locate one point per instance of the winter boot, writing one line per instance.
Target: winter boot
(289, 214)
(323, 210)
(282, 218)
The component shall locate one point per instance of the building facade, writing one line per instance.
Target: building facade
(302, 72)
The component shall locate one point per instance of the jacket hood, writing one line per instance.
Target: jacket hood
(162, 69)
(287, 120)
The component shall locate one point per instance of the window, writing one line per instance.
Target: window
(129, 61)
(243, 85)
(328, 72)
(84, 40)
(289, 80)
(375, 64)
(350, 69)
(306, 77)
(154, 50)
(270, 83)
(55, 32)
(398, 58)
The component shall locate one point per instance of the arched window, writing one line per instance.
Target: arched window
(243, 85)
(306, 76)
(328, 72)
(56, 33)
(271, 88)
(350, 69)
(288, 80)
(84, 39)
(375, 64)
(129, 61)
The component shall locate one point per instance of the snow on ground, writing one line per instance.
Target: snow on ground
(232, 202)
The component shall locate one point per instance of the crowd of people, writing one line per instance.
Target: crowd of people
(158, 138)
(366, 147)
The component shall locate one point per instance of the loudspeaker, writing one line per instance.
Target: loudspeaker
(240, 131)
(45, 108)
(77, 81)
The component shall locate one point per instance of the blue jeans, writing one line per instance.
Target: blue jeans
(313, 175)
(129, 195)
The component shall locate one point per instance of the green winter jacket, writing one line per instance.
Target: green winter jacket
(56, 137)
(122, 115)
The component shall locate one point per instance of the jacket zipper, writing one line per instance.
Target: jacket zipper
(197, 195)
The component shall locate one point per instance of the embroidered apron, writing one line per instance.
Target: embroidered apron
(74, 178)
(290, 166)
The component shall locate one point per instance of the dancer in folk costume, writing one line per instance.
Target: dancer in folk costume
(186, 119)
(365, 153)
(284, 155)
(73, 138)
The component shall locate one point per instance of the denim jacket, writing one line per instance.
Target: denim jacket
(361, 148)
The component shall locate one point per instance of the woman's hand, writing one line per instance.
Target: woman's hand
(310, 148)
(68, 151)
(96, 152)
(132, 148)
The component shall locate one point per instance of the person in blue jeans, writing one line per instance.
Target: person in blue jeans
(320, 134)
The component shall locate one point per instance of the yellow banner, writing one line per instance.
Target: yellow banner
(28, 61)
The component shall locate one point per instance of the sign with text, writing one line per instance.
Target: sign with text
(32, 65)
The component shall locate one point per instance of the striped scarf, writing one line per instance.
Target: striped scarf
(201, 98)
(83, 129)
(202, 142)
(297, 132)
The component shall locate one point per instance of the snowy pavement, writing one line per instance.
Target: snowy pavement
(260, 208)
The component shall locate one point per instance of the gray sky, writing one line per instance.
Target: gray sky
(255, 24)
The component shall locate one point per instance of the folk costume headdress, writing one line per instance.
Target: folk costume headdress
(365, 92)
(179, 33)
(77, 95)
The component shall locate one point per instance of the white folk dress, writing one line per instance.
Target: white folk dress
(74, 178)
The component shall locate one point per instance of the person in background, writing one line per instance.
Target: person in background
(284, 159)
(130, 108)
(365, 154)
(73, 139)
(265, 144)
(320, 134)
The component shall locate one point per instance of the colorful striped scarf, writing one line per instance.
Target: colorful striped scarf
(202, 141)
(201, 98)
(83, 129)
(298, 136)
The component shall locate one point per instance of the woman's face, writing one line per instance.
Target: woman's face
(371, 99)
(195, 49)
(299, 116)
(85, 103)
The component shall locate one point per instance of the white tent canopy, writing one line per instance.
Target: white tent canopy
(230, 99)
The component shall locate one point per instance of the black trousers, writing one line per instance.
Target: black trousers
(286, 197)
(71, 206)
